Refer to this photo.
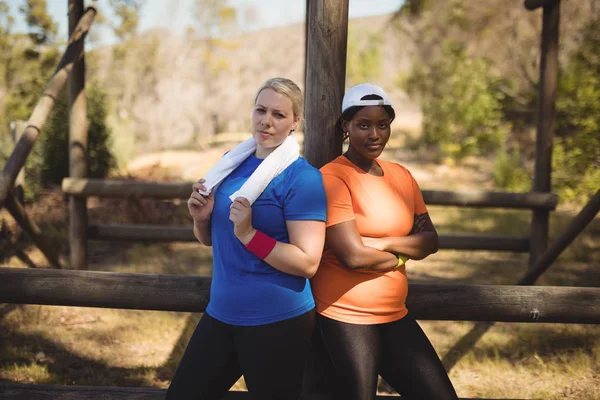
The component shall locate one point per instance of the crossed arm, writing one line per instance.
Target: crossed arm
(381, 254)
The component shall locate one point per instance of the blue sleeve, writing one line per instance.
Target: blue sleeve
(305, 198)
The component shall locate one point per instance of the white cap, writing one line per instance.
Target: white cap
(354, 95)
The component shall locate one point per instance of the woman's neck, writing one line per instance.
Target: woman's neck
(263, 152)
(368, 165)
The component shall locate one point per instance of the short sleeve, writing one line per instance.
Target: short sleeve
(420, 207)
(339, 200)
(305, 199)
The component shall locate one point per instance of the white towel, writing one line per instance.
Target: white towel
(272, 166)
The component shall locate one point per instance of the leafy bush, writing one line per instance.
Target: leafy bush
(49, 162)
(509, 174)
(576, 156)
(462, 108)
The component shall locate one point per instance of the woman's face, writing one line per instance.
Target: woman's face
(368, 131)
(272, 119)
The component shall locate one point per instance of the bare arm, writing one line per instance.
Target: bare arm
(202, 232)
(346, 243)
(302, 255)
(420, 242)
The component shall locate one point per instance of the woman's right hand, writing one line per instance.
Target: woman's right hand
(200, 206)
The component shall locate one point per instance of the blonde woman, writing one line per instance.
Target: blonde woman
(262, 209)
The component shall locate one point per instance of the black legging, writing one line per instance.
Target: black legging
(271, 357)
(399, 351)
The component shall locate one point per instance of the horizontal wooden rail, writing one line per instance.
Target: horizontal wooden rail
(149, 233)
(128, 188)
(53, 392)
(489, 243)
(167, 233)
(191, 293)
(529, 200)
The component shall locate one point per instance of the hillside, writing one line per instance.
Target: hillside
(164, 98)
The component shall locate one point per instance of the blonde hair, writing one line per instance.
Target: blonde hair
(289, 89)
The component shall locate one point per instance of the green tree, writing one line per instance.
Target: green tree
(215, 21)
(128, 56)
(6, 72)
(462, 108)
(128, 15)
(27, 62)
(42, 27)
(49, 162)
(364, 57)
(576, 156)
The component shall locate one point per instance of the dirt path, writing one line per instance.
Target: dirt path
(190, 165)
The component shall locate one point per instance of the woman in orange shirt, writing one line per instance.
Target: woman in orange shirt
(376, 220)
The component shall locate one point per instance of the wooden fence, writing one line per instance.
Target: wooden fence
(190, 294)
(162, 233)
(326, 38)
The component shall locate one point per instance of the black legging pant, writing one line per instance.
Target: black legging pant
(399, 351)
(271, 357)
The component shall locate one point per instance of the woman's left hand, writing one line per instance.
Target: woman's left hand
(240, 214)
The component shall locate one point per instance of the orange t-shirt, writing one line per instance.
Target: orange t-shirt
(381, 206)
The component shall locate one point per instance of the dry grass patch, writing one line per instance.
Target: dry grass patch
(87, 346)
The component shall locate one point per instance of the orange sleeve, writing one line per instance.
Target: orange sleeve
(420, 207)
(339, 201)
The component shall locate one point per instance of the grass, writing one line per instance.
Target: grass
(87, 346)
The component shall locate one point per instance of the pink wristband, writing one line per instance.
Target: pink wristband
(261, 245)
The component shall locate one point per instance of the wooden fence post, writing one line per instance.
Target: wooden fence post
(546, 110)
(327, 30)
(78, 141)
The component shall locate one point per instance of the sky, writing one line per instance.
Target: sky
(176, 15)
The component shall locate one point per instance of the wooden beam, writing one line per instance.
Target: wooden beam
(147, 233)
(166, 233)
(78, 143)
(325, 78)
(105, 289)
(40, 113)
(53, 392)
(160, 190)
(126, 188)
(546, 201)
(190, 293)
(575, 227)
(534, 4)
(490, 243)
(15, 208)
(546, 111)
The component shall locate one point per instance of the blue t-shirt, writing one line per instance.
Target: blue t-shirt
(246, 290)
